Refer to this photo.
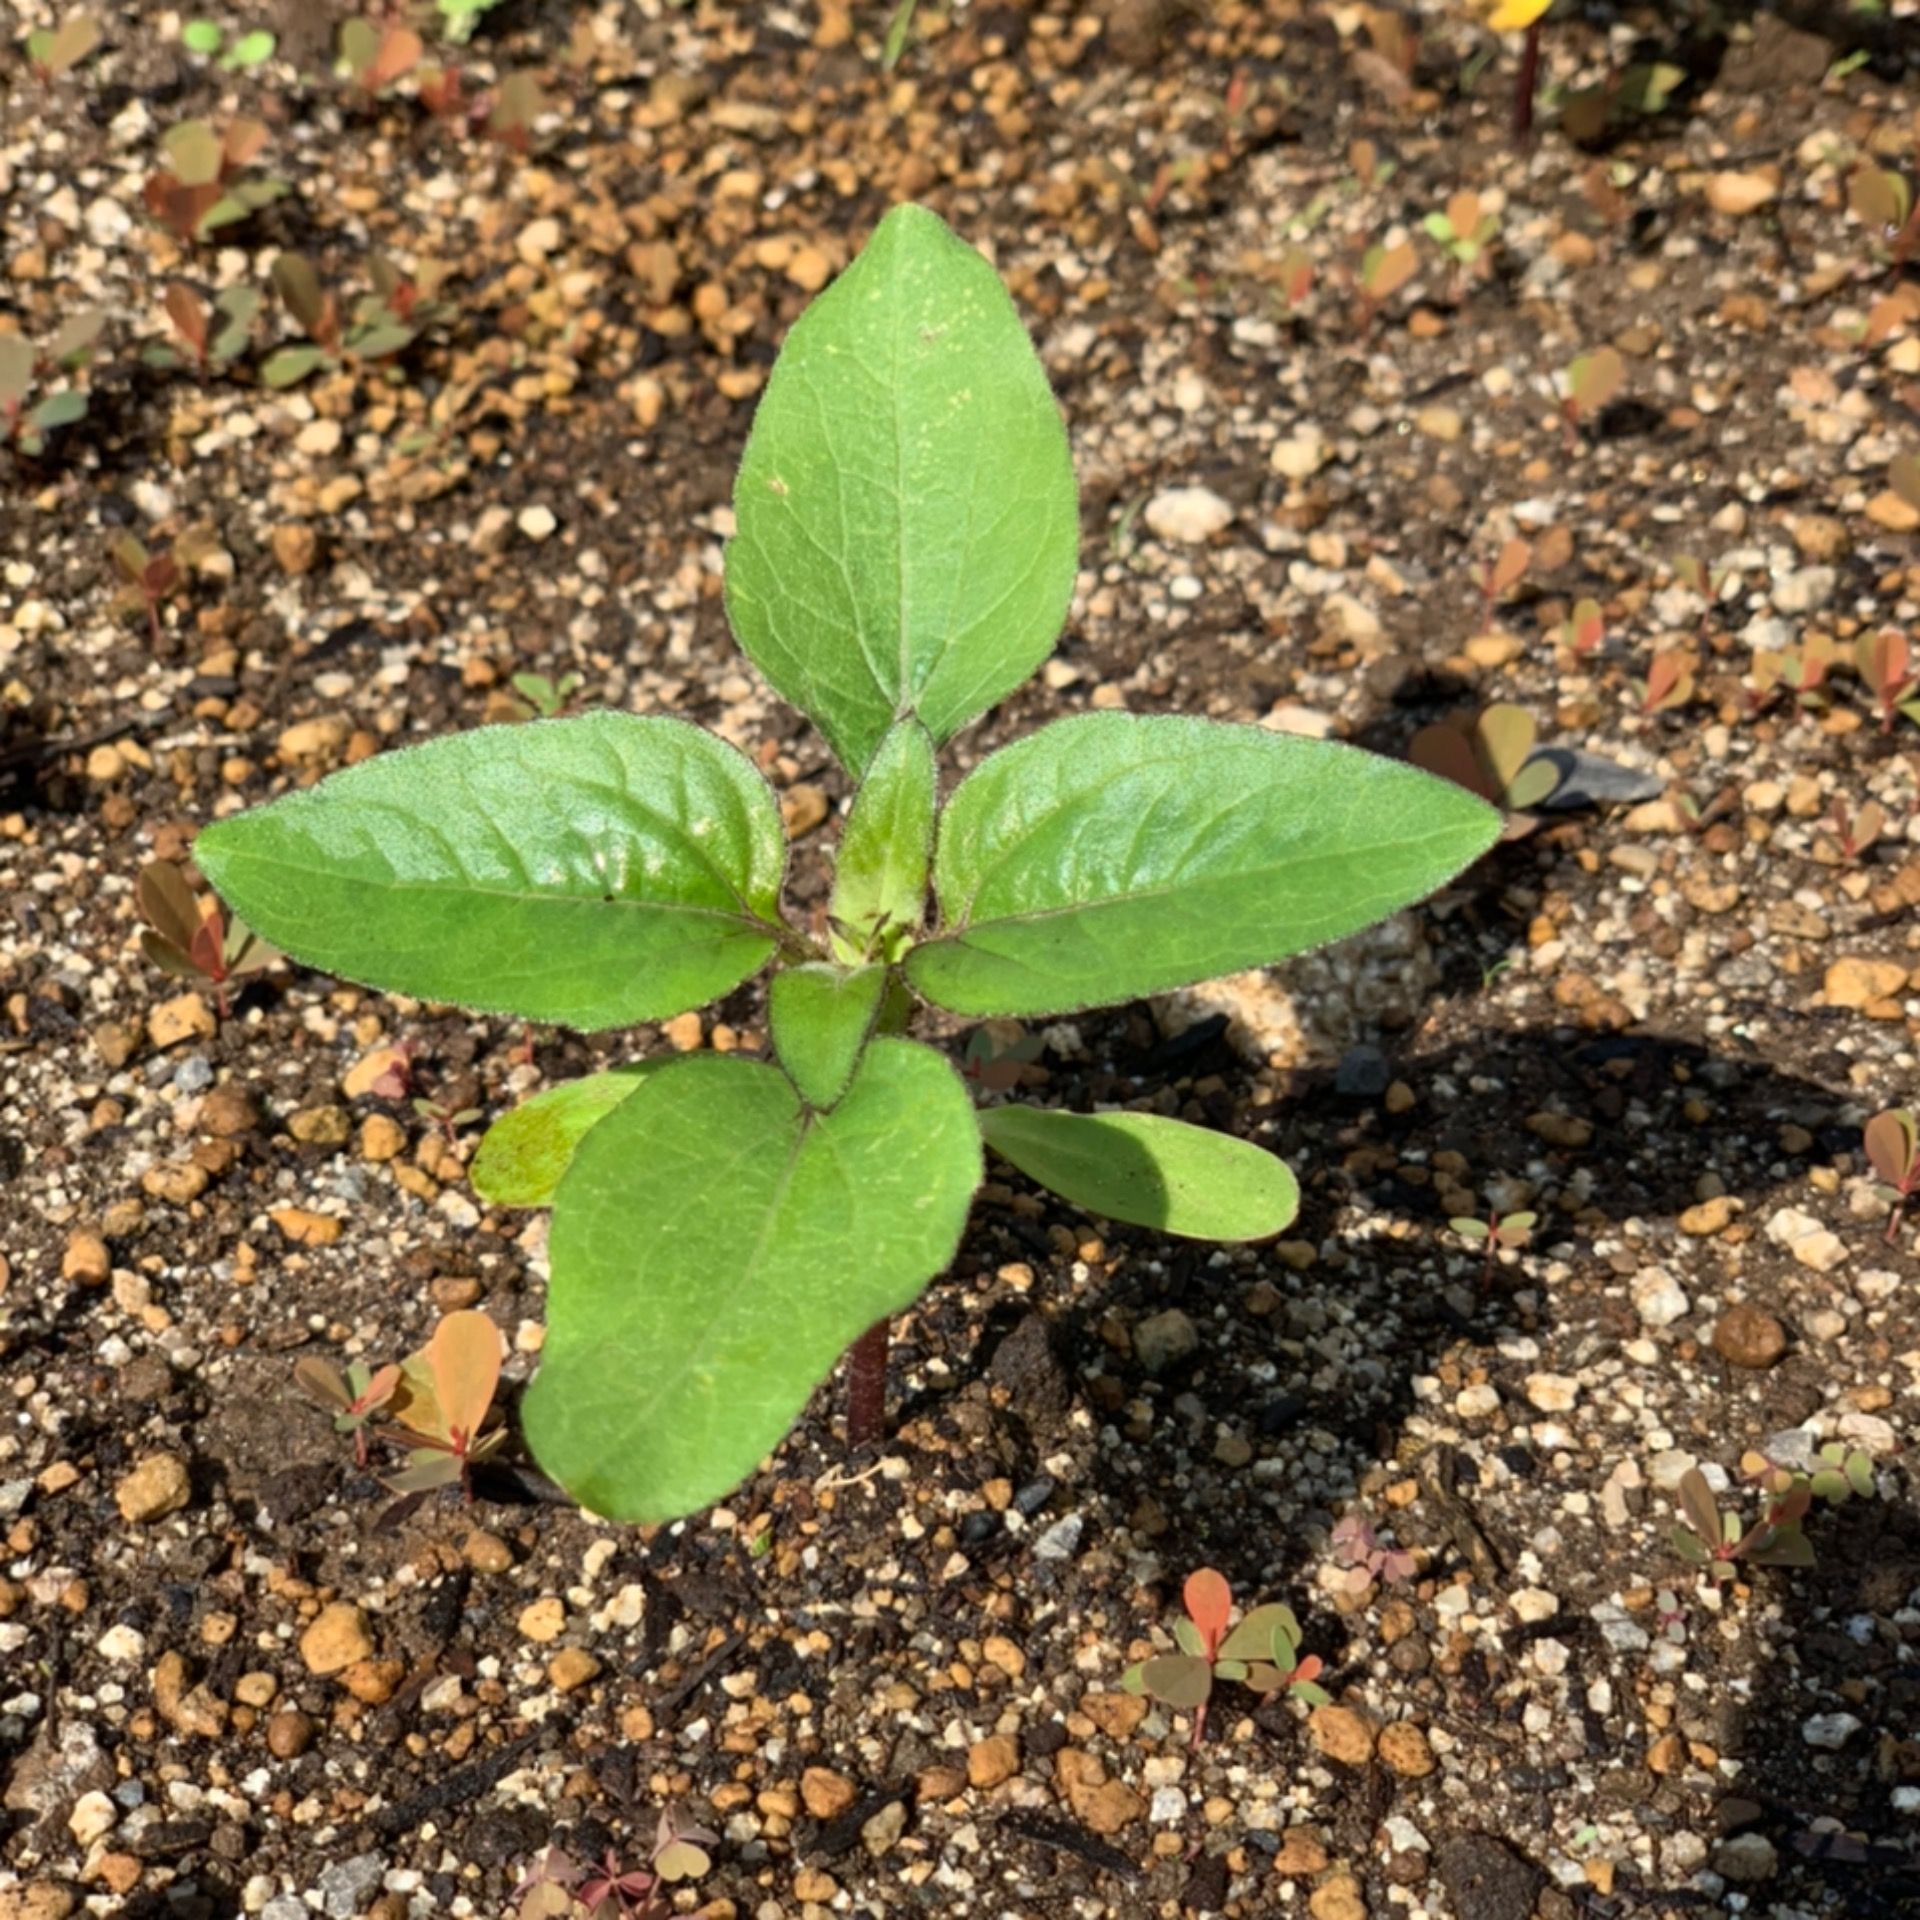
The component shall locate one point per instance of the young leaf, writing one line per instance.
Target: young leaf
(287, 366)
(1111, 856)
(1183, 1681)
(1595, 378)
(1209, 1603)
(1259, 1635)
(908, 532)
(464, 1359)
(821, 1018)
(880, 872)
(1698, 1507)
(791, 1234)
(1148, 1170)
(1890, 1141)
(591, 872)
(193, 151)
(523, 1154)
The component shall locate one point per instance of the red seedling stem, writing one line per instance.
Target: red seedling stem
(867, 1387)
(1527, 85)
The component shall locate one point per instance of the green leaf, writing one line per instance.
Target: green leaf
(821, 1019)
(194, 152)
(908, 532)
(525, 1152)
(289, 365)
(1148, 1170)
(60, 409)
(880, 872)
(1114, 855)
(202, 36)
(591, 872)
(716, 1247)
(1182, 1680)
(250, 50)
(1253, 1638)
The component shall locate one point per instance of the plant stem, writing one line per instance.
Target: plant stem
(1527, 84)
(867, 1388)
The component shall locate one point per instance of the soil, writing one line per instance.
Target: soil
(236, 1681)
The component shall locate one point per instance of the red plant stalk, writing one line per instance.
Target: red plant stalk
(1527, 84)
(867, 1387)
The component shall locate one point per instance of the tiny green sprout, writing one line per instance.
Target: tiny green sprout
(1262, 1654)
(54, 51)
(208, 38)
(726, 1227)
(1717, 1542)
(1892, 1142)
(458, 18)
(1669, 684)
(899, 31)
(188, 937)
(1464, 229)
(1498, 1233)
(354, 1398)
(545, 698)
(447, 1115)
(1800, 671)
(1842, 1473)
(147, 580)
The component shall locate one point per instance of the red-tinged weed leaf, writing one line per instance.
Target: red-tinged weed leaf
(1890, 1144)
(1209, 1602)
(464, 1359)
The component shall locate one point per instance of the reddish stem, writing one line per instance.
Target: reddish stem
(1527, 85)
(867, 1387)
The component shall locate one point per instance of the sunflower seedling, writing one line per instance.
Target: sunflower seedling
(1892, 1142)
(725, 1227)
(188, 937)
(1717, 1542)
(354, 1398)
(1262, 1654)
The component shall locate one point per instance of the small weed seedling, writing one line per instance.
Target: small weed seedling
(354, 1398)
(188, 937)
(1799, 672)
(206, 183)
(241, 54)
(147, 581)
(1364, 1560)
(445, 1115)
(214, 335)
(1884, 662)
(382, 323)
(1464, 230)
(1584, 630)
(458, 18)
(376, 54)
(544, 697)
(1718, 1542)
(1590, 385)
(53, 51)
(22, 368)
(1491, 754)
(1384, 270)
(441, 1403)
(1668, 687)
(1834, 1475)
(1892, 1141)
(1262, 1653)
(1498, 1233)
(725, 1227)
(1855, 834)
(559, 1883)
